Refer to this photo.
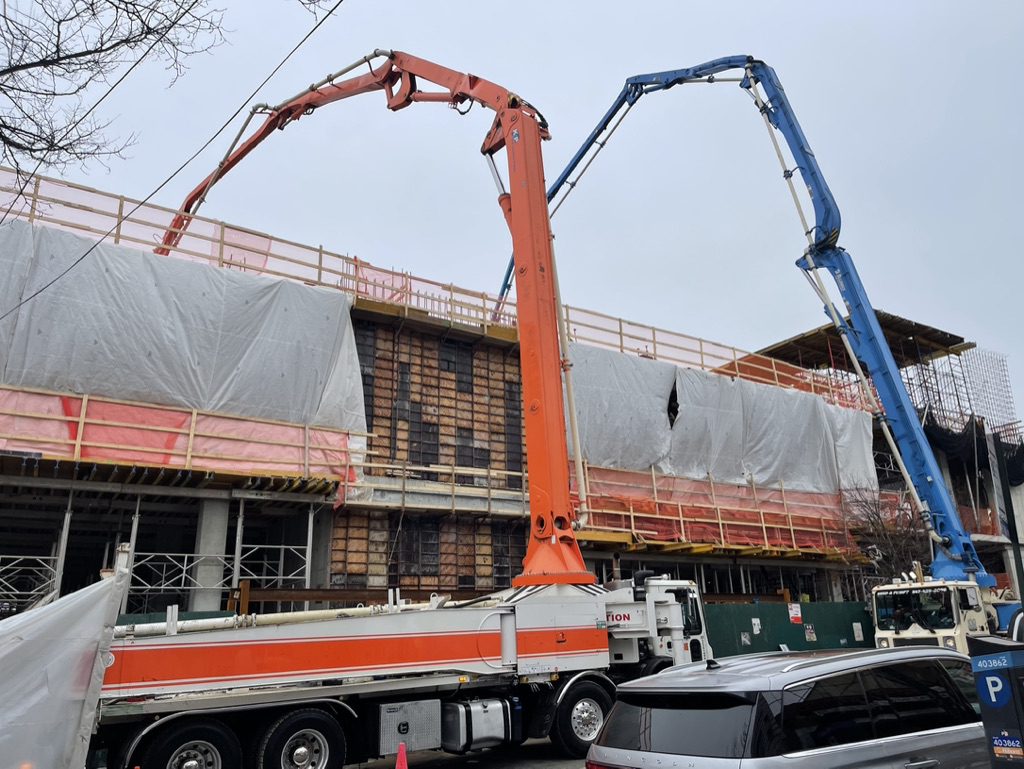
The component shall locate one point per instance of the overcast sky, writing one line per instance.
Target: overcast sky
(684, 222)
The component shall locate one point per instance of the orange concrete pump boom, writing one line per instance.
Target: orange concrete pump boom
(553, 555)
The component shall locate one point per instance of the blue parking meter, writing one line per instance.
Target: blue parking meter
(998, 665)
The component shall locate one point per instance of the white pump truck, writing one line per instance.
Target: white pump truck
(959, 599)
(320, 689)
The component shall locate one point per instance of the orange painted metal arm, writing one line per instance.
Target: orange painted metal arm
(397, 77)
(553, 555)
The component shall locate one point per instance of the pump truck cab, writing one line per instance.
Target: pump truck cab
(322, 689)
(923, 611)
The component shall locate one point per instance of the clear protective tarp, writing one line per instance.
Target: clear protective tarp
(51, 668)
(128, 324)
(731, 430)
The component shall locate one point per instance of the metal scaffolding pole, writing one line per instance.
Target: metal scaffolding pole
(239, 528)
(309, 552)
(132, 539)
(62, 546)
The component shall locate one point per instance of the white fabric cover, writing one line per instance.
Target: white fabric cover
(619, 396)
(734, 430)
(132, 325)
(51, 668)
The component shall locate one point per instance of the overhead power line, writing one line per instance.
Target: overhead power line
(63, 273)
(110, 90)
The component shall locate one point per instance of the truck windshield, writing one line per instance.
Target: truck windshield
(689, 602)
(929, 607)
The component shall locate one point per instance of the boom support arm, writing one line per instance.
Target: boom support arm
(956, 557)
(553, 554)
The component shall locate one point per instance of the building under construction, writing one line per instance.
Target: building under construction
(248, 411)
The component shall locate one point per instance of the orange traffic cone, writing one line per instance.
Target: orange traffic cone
(402, 762)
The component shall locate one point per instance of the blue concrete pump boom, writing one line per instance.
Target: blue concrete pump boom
(955, 556)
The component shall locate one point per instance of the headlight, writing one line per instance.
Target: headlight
(949, 642)
(883, 643)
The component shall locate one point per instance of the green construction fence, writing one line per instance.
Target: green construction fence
(761, 627)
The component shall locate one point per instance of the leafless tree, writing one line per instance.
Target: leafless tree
(56, 55)
(889, 533)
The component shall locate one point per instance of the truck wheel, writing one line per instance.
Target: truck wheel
(302, 739)
(195, 744)
(579, 718)
(655, 665)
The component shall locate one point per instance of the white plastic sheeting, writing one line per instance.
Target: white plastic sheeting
(622, 407)
(51, 669)
(732, 430)
(128, 324)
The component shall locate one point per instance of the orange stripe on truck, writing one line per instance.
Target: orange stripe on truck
(139, 666)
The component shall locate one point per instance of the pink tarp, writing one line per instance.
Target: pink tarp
(49, 424)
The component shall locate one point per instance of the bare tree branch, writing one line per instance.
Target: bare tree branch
(888, 531)
(55, 52)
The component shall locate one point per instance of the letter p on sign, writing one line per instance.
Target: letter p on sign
(994, 684)
(994, 690)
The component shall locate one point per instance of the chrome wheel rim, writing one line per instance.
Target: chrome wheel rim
(196, 754)
(586, 719)
(306, 749)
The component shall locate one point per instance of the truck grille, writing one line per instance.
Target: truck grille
(915, 641)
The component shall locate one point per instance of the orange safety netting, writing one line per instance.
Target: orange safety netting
(759, 368)
(666, 509)
(983, 520)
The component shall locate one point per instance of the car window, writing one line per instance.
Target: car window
(766, 735)
(710, 725)
(914, 697)
(830, 711)
(960, 672)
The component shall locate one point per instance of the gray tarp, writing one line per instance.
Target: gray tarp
(128, 324)
(736, 431)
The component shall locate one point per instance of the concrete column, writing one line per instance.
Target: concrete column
(835, 579)
(211, 539)
(1017, 499)
(320, 557)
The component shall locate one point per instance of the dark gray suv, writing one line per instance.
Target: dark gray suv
(913, 708)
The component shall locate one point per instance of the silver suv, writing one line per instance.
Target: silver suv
(912, 707)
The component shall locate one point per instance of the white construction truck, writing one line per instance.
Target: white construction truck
(925, 611)
(325, 688)
(321, 689)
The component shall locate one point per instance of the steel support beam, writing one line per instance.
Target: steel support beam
(136, 489)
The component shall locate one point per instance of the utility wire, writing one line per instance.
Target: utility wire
(99, 101)
(179, 169)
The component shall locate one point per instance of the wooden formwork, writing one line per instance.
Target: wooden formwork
(433, 401)
(380, 549)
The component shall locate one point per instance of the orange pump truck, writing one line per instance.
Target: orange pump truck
(320, 689)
